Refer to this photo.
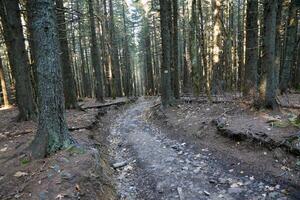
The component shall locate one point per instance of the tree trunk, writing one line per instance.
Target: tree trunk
(128, 78)
(250, 79)
(14, 39)
(165, 19)
(4, 86)
(114, 53)
(217, 48)
(52, 134)
(267, 82)
(176, 86)
(68, 77)
(95, 53)
(290, 44)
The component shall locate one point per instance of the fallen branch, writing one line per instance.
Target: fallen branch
(120, 103)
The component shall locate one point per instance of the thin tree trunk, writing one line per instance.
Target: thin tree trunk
(68, 76)
(95, 53)
(4, 86)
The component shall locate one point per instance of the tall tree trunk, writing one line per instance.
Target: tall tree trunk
(267, 82)
(95, 53)
(14, 39)
(279, 31)
(128, 79)
(175, 74)
(217, 48)
(165, 19)
(52, 134)
(149, 68)
(4, 86)
(290, 46)
(115, 58)
(240, 50)
(250, 79)
(68, 76)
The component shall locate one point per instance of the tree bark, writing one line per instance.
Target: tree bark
(165, 19)
(290, 44)
(176, 84)
(68, 76)
(217, 48)
(18, 59)
(114, 53)
(52, 134)
(250, 83)
(267, 82)
(4, 86)
(95, 53)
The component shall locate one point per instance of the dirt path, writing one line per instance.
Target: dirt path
(161, 168)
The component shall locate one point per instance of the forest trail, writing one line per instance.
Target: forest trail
(160, 168)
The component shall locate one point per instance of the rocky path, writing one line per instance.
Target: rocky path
(151, 166)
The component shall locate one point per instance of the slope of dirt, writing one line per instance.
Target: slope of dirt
(80, 172)
(153, 162)
(193, 122)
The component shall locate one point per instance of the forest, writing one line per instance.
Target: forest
(149, 99)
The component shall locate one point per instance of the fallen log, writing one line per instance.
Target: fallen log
(120, 103)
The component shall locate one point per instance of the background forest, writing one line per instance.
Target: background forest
(122, 48)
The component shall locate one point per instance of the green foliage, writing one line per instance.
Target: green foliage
(73, 149)
(25, 161)
(295, 121)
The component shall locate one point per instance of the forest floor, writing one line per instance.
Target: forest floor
(193, 150)
(181, 153)
(79, 172)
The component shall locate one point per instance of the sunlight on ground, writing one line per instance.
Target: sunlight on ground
(5, 108)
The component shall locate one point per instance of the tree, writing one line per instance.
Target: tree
(18, 59)
(175, 68)
(290, 47)
(217, 47)
(52, 134)
(165, 19)
(4, 86)
(95, 54)
(250, 79)
(114, 53)
(68, 77)
(267, 82)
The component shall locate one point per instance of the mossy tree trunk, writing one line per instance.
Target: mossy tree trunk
(52, 134)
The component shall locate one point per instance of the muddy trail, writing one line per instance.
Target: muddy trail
(149, 165)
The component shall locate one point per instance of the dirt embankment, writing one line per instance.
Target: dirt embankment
(252, 142)
(82, 171)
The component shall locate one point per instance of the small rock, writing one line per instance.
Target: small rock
(185, 168)
(160, 187)
(197, 170)
(206, 193)
(56, 168)
(20, 174)
(235, 190)
(66, 175)
(231, 170)
(119, 165)
(273, 195)
(43, 195)
(222, 180)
